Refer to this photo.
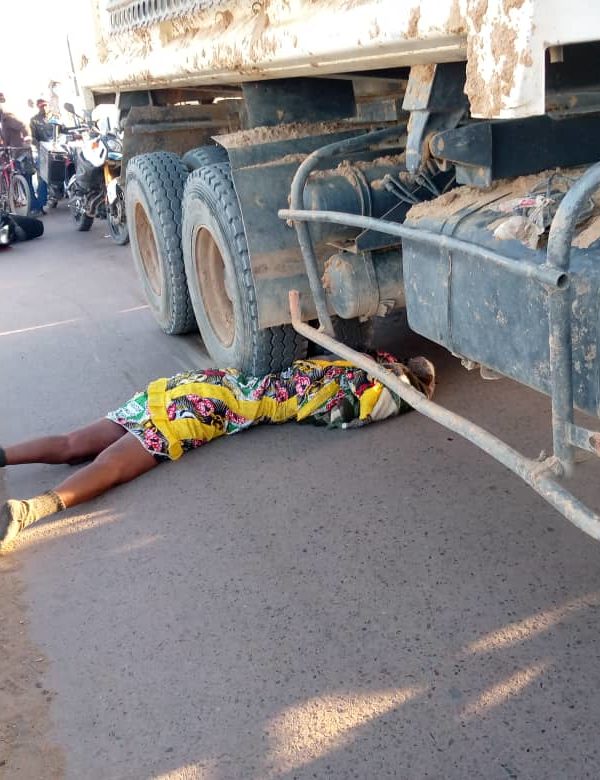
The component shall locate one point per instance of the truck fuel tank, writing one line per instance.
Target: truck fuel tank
(487, 314)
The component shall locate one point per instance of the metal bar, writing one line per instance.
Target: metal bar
(551, 276)
(559, 314)
(162, 127)
(584, 439)
(297, 203)
(536, 474)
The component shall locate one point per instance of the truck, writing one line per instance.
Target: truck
(297, 169)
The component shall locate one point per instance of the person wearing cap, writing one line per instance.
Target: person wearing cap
(41, 130)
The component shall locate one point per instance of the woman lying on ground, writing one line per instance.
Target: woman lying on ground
(188, 410)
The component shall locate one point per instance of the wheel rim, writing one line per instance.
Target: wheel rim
(20, 199)
(148, 249)
(211, 275)
(116, 218)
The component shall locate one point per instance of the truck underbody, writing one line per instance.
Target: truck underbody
(292, 177)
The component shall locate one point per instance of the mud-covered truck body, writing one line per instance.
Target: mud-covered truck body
(299, 168)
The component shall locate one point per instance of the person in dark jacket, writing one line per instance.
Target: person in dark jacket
(41, 130)
(14, 132)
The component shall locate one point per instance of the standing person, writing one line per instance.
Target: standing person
(190, 409)
(14, 132)
(41, 130)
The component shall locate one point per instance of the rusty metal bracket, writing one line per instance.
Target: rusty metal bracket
(538, 475)
(553, 274)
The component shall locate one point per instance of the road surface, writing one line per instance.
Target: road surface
(290, 603)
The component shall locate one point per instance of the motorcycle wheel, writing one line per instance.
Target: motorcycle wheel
(19, 195)
(117, 221)
(82, 222)
(55, 193)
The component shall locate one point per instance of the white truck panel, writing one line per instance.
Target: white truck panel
(504, 42)
(506, 45)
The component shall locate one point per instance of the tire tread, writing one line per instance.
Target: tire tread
(163, 176)
(272, 348)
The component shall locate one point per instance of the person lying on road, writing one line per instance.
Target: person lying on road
(190, 409)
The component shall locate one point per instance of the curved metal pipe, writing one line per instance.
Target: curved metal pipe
(559, 314)
(551, 276)
(536, 474)
(297, 202)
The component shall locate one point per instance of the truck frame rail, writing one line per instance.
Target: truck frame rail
(542, 475)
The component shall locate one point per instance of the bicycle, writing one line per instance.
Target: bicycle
(16, 164)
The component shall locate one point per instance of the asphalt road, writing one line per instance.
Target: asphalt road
(293, 602)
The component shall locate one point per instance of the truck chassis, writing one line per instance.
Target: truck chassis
(411, 166)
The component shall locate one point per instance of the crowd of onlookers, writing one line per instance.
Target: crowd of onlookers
(16, 133)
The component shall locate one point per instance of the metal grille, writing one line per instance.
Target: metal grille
(129, 14)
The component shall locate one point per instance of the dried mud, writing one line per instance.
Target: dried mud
(464, 197)
(461, 197)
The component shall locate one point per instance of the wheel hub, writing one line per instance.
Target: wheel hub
(147, 247)
(215, 286)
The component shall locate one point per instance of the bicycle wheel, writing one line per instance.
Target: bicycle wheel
(19, 195)
(3, 191)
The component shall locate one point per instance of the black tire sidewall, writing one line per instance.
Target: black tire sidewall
(155, 181)
(208, 213)
(120, 234)
(209, 154)
(119, 231)
(82, 222)
(159, 304)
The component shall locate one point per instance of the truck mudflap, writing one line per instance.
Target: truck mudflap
(554, 275)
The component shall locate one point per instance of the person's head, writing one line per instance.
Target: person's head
(41, 105)
(418, 371)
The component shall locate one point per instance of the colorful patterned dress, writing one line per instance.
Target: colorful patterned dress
(192, 408)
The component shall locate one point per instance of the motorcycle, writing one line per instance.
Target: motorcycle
(95, 190)
(57, 160)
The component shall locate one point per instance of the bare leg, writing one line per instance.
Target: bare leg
(75, 447)
(122, 461)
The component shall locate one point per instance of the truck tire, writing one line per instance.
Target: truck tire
(204, 155)
(220, 279)
(154, 193)
(354, 333)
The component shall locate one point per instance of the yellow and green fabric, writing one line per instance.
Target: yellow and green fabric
(187, 410)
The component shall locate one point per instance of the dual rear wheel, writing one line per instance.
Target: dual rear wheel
(190, 250)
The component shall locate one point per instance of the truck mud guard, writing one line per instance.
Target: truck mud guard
(553, 274)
